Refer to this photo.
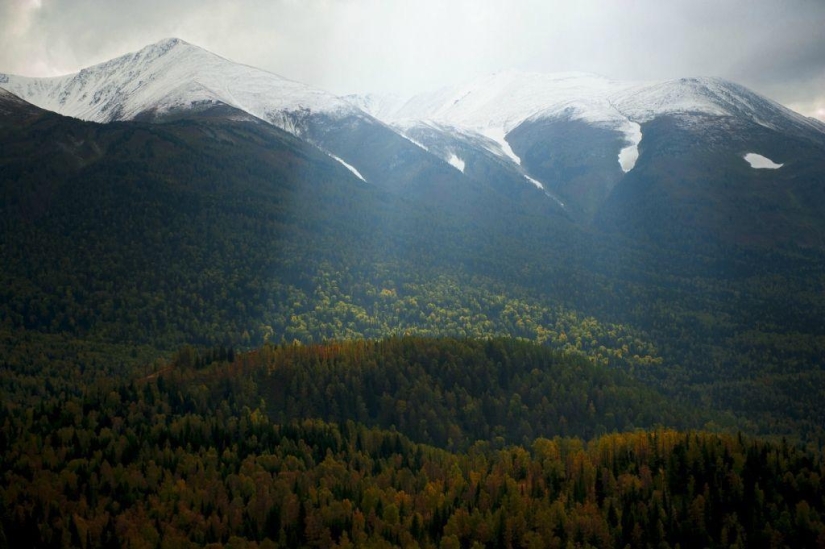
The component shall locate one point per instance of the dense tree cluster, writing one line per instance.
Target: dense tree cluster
(451, 393)
(180, 459)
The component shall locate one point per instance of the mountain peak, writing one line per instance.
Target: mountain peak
(162, 47)
(170, 42)
(168, 76)
(141, 59)
(707, 95)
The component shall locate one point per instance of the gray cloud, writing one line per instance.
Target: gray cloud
(775, 47)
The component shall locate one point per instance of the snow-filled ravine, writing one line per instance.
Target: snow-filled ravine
(629, 154)
(350, 167)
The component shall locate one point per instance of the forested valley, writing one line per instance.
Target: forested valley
(207, 338)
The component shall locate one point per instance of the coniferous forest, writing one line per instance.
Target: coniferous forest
(207, 339)
(185, 457)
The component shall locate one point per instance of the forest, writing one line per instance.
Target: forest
(188, 456)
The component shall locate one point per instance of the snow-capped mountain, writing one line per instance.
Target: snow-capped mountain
(173, 77)
(708, 96)
(492, 106)
(170, 76)
(577, 135)
(575, 144)
(502, 101)
(496, 104)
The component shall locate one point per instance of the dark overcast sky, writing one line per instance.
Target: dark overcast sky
(775, 47)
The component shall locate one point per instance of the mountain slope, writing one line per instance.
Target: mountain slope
(14, 109)
(173, 78)
(582, 137)
(216, 227)
(494, 105)
(693, 185)
(238, 211)
(213, 229)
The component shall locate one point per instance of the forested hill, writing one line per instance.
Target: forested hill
(179, 458)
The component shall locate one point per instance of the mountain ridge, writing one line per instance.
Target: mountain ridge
(491, 105)
(556, 144)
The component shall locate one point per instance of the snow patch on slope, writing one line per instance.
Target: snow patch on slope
(456, 162)
(556, 199)
(759, 162)
(600, 112)
(539, 185)
(350, 167)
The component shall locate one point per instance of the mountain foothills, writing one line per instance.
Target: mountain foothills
(529, 310)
